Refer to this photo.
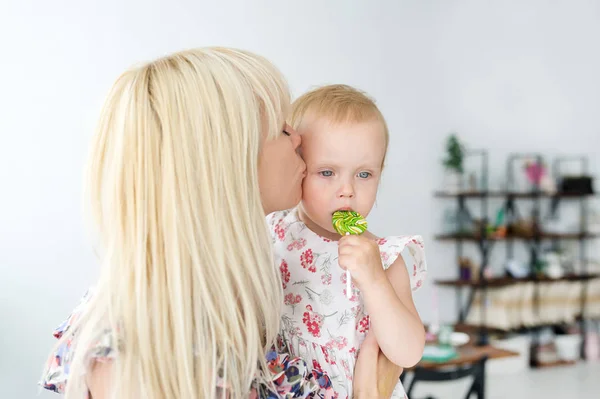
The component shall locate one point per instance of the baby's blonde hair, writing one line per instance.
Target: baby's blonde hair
(188, 288)
(336, 104)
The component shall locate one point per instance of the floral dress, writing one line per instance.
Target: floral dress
(290, 376)
(320, 323)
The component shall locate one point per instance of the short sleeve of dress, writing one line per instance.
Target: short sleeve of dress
(275, 224)
(58, 365)
(394, 246)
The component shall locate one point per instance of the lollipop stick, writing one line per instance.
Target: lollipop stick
(346, 223)
(348, 280)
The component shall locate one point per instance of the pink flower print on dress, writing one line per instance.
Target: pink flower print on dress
(313, 321)
(417, 242)
(385, 256)
(292, 300)
(354, 296)
(296, 244)
(363, 325)
(330, 357)
(307, 260)
(285, 273)
(279, 230)
(337, 342)
(346, 367)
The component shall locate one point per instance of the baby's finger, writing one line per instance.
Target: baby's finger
(347, 250)
(349, 240)
(343, 261)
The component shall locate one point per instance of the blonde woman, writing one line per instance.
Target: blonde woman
(191, 152)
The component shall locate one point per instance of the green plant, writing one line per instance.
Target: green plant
(455, 154)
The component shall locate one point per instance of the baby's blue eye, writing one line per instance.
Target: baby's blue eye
(326, 173)
(364, 175)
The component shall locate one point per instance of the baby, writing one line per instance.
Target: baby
(344, 144)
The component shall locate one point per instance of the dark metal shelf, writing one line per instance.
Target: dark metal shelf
(506, 194)
(543, 236)
(506, 281)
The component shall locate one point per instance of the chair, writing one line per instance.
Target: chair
(475, 370)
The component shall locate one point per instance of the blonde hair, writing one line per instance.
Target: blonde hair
(188, 288)
(337, 104)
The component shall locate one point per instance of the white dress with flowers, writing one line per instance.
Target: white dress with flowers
(319, 322)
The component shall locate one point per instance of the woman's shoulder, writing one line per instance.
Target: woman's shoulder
(58, 365)
(280, 223)
(75, 314)
(279, 216)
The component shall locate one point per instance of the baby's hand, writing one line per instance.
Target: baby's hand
(360, 255)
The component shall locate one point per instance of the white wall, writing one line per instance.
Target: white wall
(528, 75)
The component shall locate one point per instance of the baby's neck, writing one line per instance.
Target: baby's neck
(314, 227)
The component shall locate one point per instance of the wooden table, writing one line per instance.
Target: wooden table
(469, 354)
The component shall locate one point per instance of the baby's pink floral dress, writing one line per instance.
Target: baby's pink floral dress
(320, 323)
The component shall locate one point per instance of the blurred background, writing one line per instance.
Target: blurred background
(494, 114)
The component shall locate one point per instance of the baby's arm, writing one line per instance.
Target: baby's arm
(394, 318)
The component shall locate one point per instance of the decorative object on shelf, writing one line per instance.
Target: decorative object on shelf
(516, 268)
(534, 170)
(568, 346)
(538, 176)
(454, 163)
(544, 350)
(523, 228)
(532, 302)
(445, 334)
(498, 229)
(567, 258)
(539, 267)
(581, 185)
(547, 185)
(553, 267)
(468, 269)
(488, 273)
(459, 338)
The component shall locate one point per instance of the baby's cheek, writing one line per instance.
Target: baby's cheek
(316, 203)
(312, 189)
(313, 200)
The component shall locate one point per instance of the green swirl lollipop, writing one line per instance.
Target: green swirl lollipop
(348, 222)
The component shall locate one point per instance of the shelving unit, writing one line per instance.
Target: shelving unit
(506, 281)
(535, 239)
